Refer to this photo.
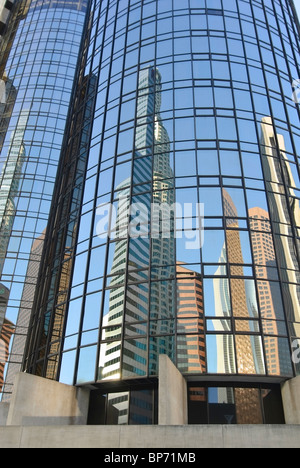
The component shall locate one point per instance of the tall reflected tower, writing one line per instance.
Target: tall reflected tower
(136, 254)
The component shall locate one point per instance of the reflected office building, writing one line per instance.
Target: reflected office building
(177, 104)
(151, 174)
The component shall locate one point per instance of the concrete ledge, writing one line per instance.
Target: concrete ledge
(150, 437)
(41, 402)
(290, 391)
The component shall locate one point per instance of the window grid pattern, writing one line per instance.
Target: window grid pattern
(193, 105)
(38, 64)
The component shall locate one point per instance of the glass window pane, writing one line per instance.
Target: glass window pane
(135, 358)
(142, 407)
(244, 301)
(278, 356)
(87, 365)
(272, 406)
(203, 97)
(97, 263)
(217, 297)
(191, 356)
(247, 326)
(238, 247)
(221, 406)
(269, 295)
(248, 406)
(74, 314)
(220, 354)
(206, 128)
(117, 408)
(92, 311)
(226, 129)
(234, 203)
(198, 408)
(208, 162)
(157, 346)
(249, 354)
(230, 163)
(67, 368)
(212, 200)
(218, 325)
(109, 364)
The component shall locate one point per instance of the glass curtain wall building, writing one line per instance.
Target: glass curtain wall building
(175, 222)
(39, 53)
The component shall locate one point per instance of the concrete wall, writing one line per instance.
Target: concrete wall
(172, 399)
(290, 391)
(151, 437)
(38, 402)
(47, 414)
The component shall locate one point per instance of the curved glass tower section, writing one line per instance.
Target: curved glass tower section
(39, 54)
(176, 220)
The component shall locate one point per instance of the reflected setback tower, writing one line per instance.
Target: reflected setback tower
(177, 102)
(156, 172)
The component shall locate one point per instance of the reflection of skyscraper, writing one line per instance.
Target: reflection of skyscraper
(9, 186)
(8, 94)
(264, 257)
(19, 339)
(191, 352)
(10, 180)
(284, 213)
(151, 138)
(248, 347)
(162, 294)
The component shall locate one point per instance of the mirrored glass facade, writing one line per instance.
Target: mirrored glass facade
(38, 56)
(175, 224)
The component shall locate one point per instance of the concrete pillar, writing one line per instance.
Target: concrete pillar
(172, 395)
(42, 402)
(4, 408)
(291, 400)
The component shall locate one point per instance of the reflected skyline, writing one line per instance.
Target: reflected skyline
(249, 349)
(239, 345)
